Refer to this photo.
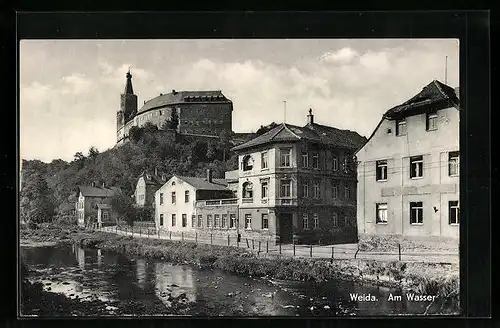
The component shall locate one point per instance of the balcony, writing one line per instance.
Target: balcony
(286, 201)
(247, 200)
(217, 202)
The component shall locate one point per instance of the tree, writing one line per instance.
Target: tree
(150, 128)
(123, 208)
(93, 153)
(173, 121)
(135, 133)
(36, 201)
(79, 159)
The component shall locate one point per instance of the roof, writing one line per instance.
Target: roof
(434, 95)
(231, 176)
(312, 132)
(178, 97)
(152, 179)
(89, 191)
(203, 184)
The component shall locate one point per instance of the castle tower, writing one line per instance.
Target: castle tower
(128, 105)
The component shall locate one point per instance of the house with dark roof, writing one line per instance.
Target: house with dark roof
(204, 113)
(147, 185)
(93, 204)
(179, 201)
(299, 182)
(408, 170)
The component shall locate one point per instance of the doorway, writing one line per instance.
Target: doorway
(286, 228)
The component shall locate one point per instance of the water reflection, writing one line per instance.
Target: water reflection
(109, 277)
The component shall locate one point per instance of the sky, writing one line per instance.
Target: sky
(70, 89)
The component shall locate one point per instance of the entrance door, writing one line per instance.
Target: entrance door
(286, 228)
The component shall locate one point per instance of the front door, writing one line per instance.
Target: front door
(286, 228)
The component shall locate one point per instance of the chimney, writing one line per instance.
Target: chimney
(156, 171)
(104, 185)
(209, 175)
(174, 92)
(93, 184)
(161, 94)
(310, 117)
(163, 177)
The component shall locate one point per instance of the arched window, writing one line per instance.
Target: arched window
(173, 183)
(247, 190)
(247, 163)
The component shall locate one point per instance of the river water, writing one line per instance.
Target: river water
(117, 279)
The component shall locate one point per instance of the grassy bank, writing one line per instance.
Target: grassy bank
(422, 278)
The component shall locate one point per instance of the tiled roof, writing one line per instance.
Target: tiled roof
(89, 191)
(152, 179)
(203, 184)
(313, 132)
(183, 97)
(432, 95)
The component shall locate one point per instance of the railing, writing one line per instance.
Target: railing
(215, 202)
(286, 201)
(247, 200)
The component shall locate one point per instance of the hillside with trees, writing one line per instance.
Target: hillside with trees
(48, 189)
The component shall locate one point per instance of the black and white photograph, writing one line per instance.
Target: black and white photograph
(239, 177)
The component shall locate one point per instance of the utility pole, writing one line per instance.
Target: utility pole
(446, 70)
(284, 111)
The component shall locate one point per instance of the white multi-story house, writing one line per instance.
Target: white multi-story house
(408, 171)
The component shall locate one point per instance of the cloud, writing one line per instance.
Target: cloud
(349, 88)
(344, 55)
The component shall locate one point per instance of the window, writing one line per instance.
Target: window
(105, 215)
(160, 113)
(232, 221)
(161, 220)
(265, 222)
(263, 160)
(285, 157)
(453, 163)
(200, 221)
(347, 193)
(184, 220)
(173, 183)
(264, 189)
(161, 198)
(416, 167)
(173, 197)
(305, 160)
(217, 220)
(431, 121)
(173, 220)
(209, 220)
(316, 190)
(248, 221)
(381, 170)
(305, 189)
(186, 196)
(305, 221)
(316, 220)
(224, 220)
(401, 127)
(345, 165)
(335, 163)
(454, 212)
(247, 190)
(193, 221)
(335, 219)
(346, 221)
(416, 213)
(315, 161)
(285, 188)
(247, 163)
(381, 213)
(335, 190)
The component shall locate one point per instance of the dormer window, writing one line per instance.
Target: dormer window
(247, 163)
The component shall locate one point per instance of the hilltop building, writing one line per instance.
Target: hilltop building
(200, 113)
(408, 170)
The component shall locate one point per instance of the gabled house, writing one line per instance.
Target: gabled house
(299, 183)
(90, 205)
(147, 185)
(175, 201)
(408, 170)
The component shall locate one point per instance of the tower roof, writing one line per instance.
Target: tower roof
(128, 85)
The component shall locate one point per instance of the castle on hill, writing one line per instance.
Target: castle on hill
(200, 113)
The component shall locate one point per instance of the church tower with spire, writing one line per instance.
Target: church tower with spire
(128, 104)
